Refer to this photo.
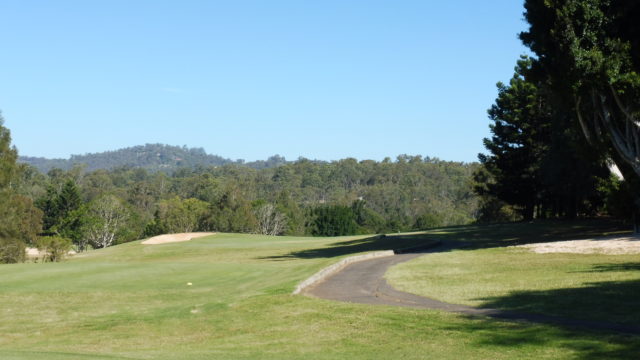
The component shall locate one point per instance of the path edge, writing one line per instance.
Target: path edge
(335, 268)
(332, 269)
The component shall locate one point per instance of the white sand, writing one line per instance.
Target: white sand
(171, 238)
(34, 252)
(606, 245)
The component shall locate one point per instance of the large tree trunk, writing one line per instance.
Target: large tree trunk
(623, 129)
(614, 118)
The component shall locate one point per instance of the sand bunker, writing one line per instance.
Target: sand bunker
(606, 245)
(34, 252)
(171, 238)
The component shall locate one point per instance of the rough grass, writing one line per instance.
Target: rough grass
(132, 301)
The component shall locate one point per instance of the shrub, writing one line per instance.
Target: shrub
(11, 250)
(334, 221)
(54, 248)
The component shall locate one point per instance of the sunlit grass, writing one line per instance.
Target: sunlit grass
(133, 301)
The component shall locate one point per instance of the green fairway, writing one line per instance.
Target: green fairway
(133, 301)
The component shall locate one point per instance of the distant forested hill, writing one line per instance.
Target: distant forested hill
(153, 157)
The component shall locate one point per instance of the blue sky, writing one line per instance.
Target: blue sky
(249, 79)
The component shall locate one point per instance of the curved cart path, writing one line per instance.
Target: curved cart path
(363, 282)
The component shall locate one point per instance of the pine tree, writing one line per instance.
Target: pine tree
(538, 162)
(520, 127)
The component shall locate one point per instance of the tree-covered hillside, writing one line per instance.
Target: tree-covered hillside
(153, 157)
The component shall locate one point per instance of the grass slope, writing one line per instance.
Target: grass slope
(132, 301)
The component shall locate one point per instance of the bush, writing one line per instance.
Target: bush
(493, 210)
(367, 219)
(54, 248)
(334, 221)
(12, 250)
(428, 221)
(178, 215)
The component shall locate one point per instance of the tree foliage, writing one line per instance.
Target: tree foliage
(8, 157)
(520, 132)
(590, 51)
(407, 194)
(63, 212)
(269, 220)
(538, 163)
(106, 218)
(335, 220)
(20, 221)
(177, 215)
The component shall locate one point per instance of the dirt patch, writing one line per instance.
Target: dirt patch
(607, 245)
(171, 238)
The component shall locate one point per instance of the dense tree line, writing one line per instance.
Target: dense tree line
(406, 194)
(96, 209)
(567, 115)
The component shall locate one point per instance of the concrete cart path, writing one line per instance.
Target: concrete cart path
(364, 282)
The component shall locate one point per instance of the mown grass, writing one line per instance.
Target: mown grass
(133, 301)
(581, 286)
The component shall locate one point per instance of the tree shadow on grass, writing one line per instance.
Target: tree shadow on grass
(473, 236)
(610, 302)
(510, 234)
(629, 266)
(614, 306)
(398, 242)
(522, 338)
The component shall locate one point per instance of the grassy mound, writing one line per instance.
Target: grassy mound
(132, 301)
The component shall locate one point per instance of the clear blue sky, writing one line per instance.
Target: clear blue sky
(248, 79)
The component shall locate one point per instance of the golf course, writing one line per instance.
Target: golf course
(320, 180)
(228, 296)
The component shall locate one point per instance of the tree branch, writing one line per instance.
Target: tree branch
(583, 124)
(627, 154)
